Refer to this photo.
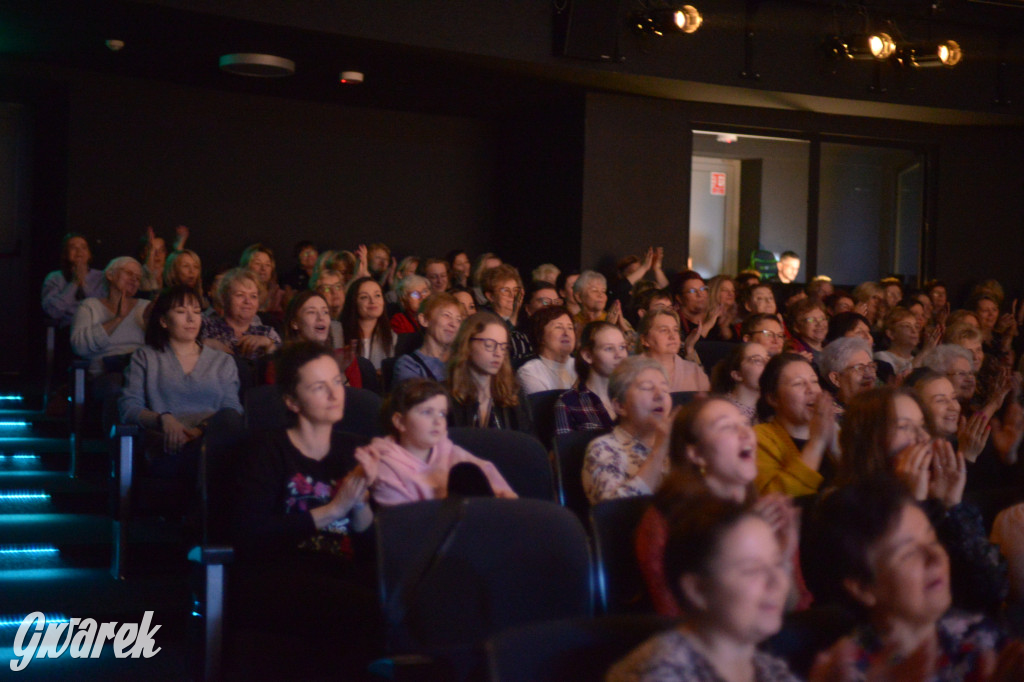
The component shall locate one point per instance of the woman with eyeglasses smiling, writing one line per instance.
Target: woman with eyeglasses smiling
(411, 291)
(808, 322)
(480, 379)
(736, 379)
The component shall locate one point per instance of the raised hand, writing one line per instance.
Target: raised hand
(948, 474)
(912, 465)
(972, 434)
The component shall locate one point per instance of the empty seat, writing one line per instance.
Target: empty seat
(542, 406)
(570, 449)
(520, 458)
(620, 584)
(454, 572)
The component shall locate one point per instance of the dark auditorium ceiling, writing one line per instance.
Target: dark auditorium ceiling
(487, 57)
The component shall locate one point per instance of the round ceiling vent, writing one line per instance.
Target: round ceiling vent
(257, 65)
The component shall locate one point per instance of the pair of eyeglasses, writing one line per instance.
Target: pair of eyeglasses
(814, 320)
(758, 360)
(863, 368)
(328, 288)
(417, 295)
(768, 334)
(490, 345)
(960, 375)
(513, 291)
(694, 290)
(545, 301)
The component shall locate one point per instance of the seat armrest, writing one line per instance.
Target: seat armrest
(212, 554)
(122, 430)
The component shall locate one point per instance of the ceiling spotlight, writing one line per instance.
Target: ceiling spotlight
(878, 46)
(257, 65)
(661, 20)
(945, 53)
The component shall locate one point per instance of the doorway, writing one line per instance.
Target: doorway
(714, 215)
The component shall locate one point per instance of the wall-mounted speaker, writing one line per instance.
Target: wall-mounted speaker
(587, 29)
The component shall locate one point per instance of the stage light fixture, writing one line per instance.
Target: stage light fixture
(921, 55)
(662, 20)
(868, 46)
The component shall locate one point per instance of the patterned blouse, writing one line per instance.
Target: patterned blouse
(217, 328)
(962, 637)
(669, 657)
(611, 464)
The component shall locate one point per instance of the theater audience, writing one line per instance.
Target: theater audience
(796, 439)
(411, 292)
(633, 459)
(304, 564)
(659, 340)
(808, 323)
(416, 460)
(765, 329)
(712, 451)
(66, 288)
(726, 569)
(554, 338)
(848, 366)
(440, 316)
(111, 325)
(363, 321)
(482, 385)
(885, 432)
(503, 290)
(737, 378)
(870, 547)
(461, 267)
(435, 270)
(587, 406)
(239, 330)
(259, 259)
(177, 388)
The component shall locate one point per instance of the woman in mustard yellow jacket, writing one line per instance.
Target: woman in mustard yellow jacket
(796, 441)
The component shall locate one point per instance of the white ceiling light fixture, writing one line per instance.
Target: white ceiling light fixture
(257, 65)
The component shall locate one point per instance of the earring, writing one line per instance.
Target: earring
(703, 471)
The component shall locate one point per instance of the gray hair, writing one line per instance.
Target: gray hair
(116, 264)
(546, 272)
(940, 359)
(625, 374)
(584, 280)
(406, 284)
(837, 354)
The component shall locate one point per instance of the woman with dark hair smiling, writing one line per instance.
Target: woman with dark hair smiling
(554, 338)
(363, 321)
(796, 439)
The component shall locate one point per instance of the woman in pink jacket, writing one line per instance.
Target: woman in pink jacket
(415, 462)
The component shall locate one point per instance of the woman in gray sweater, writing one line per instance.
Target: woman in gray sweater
(175, 387)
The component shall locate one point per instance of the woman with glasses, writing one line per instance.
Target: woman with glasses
(411, 292)
(764, 329)
(435, 270)
(480, 379)
(737, 378)
(796, 439)
(904, 334)
(330, 284)
(849, 368)
(691, 300)
(808, 323)
(554, 338)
